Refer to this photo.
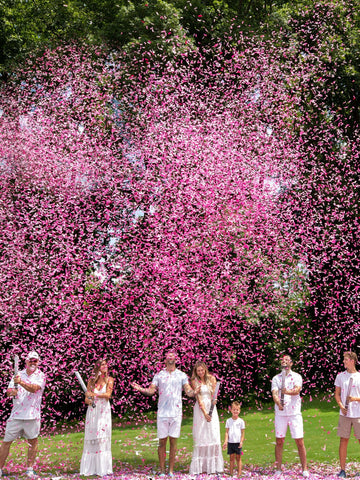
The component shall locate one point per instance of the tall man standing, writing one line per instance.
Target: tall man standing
(26, 389)
(169, 383)
(347, 396)
(285, 388)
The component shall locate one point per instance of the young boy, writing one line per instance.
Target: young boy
(234, 437)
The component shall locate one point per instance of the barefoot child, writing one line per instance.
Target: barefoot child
(234, 437)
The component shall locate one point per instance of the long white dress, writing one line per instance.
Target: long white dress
(207, 455)
(96, 458)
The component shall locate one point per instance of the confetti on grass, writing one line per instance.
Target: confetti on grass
(210, 205)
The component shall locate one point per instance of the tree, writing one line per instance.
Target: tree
(152, 222)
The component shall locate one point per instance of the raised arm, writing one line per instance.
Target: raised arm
(30, 387)
(149, 391)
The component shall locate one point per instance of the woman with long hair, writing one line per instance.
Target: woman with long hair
(96, 458)
(207, 455)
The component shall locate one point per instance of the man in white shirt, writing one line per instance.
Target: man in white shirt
(285, 388)
(26, 389)
(169, 383)
(347, 396)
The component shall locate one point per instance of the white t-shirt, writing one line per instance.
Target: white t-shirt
(342, 381)
(235, 427)
(27, 406)
(292, 403)
(170, 385)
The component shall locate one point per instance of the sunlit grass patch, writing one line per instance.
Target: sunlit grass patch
(134, 446)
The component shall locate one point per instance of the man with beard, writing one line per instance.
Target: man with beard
(285, 388)
(26, 389)
(169, 383)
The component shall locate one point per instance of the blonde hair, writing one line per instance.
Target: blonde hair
(235, 404)
(352, 356)
(207, 376)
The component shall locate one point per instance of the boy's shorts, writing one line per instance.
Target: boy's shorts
(234, 448)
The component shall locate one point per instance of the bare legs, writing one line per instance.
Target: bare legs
(32, 451)
(343, 452)
(173, 444)
(302, 452)
(33, 448)
(235, 458)
(162, 453)
(279, 446)
(4, 452)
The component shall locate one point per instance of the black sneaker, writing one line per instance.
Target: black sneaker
(342, 474)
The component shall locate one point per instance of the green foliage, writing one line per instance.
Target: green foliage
(26, 25)
(325, 34)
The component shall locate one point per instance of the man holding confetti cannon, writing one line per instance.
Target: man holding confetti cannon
(285, 388)
(347, 396)
(169, 383)
(26, 389)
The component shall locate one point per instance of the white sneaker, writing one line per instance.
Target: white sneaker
(277, 473)
(30, 473)
(306, 474)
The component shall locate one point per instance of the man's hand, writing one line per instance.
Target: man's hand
(149, 391)
(136, 386)
(197, 389)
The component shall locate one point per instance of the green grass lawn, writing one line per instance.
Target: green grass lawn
(136, 445)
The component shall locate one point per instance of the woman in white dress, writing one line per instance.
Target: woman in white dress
(207, 455)
(96, 458)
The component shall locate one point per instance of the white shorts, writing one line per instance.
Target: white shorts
(168, 427)
(294, 422)
(28, 429)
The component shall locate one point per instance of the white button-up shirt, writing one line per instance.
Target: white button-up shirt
(27, 406)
